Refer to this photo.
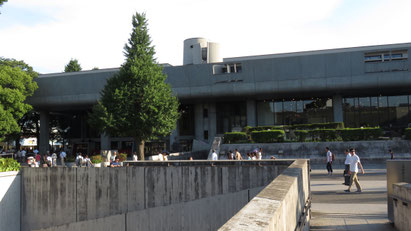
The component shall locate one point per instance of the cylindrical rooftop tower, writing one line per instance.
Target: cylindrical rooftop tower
(199, 50)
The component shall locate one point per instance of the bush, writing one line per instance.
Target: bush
(271, 136)
(325, 135)
(352, 134)
(301, 135)
(263, 128)
(407, 133)
(96, 159)
(122, 157)
(8, 164)
(332, 125)
(235, 137)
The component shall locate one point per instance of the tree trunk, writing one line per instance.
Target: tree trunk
(140, 148)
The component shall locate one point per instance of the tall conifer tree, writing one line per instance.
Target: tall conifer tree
(137, 102)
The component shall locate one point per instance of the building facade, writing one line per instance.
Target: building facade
(362, 86)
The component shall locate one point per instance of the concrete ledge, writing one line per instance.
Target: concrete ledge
(280, 206)
(402, 206)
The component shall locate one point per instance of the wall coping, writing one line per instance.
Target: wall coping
(10, 173)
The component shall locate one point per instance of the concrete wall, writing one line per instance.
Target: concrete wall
(370, 152)
(56, 196)
(203, 214)
(282, 205)
(397, 171)
(402, 206)
(10, 201)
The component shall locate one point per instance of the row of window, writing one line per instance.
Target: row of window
(317, 110)
(227, 68)
(384, 111)
(386, 56)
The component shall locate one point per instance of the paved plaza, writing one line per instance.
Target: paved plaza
(334, 209)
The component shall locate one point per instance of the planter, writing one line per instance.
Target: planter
(98, 165)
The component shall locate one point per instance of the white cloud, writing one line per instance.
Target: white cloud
(95, 31)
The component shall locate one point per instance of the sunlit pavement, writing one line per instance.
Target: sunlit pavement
(334, 209)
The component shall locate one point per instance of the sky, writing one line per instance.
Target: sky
(46, 34)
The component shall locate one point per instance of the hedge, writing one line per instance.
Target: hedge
(325, 135)
(352, 134)
(249, 129)
(331, 125)
(9, 164)
(271, 136)
(407, 133)
(235, 137)
(301, 135)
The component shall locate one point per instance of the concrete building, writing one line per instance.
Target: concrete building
(361, 86)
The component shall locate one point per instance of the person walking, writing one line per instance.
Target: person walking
(238, 155)
(62, 157)
(391, 153)
(354, 163)
(260, 154)
(347, 167)
(329, 161)
(214, 155)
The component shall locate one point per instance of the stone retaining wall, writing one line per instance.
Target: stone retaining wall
(402, 206)
(282, 205)
(57, 196)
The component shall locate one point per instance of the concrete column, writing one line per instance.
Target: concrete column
(198, 122)
(44, 132)
(212, 118)
(337, 108)
(105, 142)
(251, 113)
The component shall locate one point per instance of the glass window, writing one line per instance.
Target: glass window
(398, 111)
(350, 116)
(290, 108)
(186, 121)
(364, 109)
(278, 109)
(265, 113)
(231, 116)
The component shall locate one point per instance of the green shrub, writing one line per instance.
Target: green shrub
(96, 159)
(8, 164)
(325, 135)
(331, 125)
(122, 157)
(353, 134)
(407, 133)
(235, 137)
(301, 135)
(264, 128)
(271, 136)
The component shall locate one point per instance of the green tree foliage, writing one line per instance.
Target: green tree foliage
(72, 66)
(8, 164)
(16, 84)
(137, 102)
(2, 1)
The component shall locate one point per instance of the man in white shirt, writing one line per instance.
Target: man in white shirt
(214, 155)
(260, 154)
(355, 161)
(329, 161)
(347, 167)
(62, 156)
